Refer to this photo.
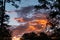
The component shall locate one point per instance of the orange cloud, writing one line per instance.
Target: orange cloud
(19, 19)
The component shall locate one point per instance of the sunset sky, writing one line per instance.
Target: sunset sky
(26, 18)
(24, 3)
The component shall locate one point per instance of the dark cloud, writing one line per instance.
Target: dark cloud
(24, 11)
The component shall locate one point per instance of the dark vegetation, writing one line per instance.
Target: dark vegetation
(41, 36)
(5, 33)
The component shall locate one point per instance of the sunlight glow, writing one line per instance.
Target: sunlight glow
(15, 38)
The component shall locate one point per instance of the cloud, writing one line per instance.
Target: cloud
(32, 24)
(30, 20)
(24, 11)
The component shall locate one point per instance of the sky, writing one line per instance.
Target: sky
(24, 3)
(25, 7)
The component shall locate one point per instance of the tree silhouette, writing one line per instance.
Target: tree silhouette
(29, 36)
(55, 9)
(13, 2)
(5, 33)
(33, 36)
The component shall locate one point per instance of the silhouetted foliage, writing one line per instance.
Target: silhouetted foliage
(5, 34)
(29, 36)
(41, 36)
(13, 2)
(40, 7)
(54, 7)
(41, 1)
(33, 36)
(53, 14)
(44, 36)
